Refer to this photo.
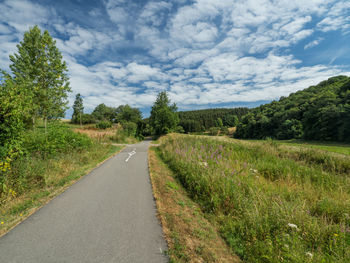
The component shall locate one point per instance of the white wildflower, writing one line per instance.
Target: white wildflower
(205, 164)
(309, 254)
(292, 225)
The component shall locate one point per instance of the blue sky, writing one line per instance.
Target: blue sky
(205, 53)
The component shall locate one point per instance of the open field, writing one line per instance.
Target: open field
(272, 202)
(114, 134)
(336, 147)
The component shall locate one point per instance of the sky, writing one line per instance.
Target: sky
(204, 53)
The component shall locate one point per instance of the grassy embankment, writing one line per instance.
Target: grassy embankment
(271, 202)
(52, 162)
(190, 236)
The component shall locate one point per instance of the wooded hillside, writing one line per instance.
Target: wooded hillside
(320, 112)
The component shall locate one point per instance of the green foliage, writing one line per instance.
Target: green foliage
(104, 113)
(164, 118)
(15, 108)
(143, 128)
(88, 119)
(104, 125)
(78, 109)
(320, 112)
(271, 203)
(200, 120)
(214, 131)
(191, 125)
(179, 129)
(38, 67)
(125, 113)
(58, 139)
(129, 128)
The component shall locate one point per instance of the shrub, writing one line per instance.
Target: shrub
(179, 129)
(129, 128)
(104, 125)
(214, 131)
(58, 139)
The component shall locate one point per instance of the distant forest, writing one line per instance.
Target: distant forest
(201, 120)
(320, 112)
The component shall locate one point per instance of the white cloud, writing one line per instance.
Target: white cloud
(202, 51)
(314, 43)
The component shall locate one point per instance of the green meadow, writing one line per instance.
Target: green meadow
(271, 202)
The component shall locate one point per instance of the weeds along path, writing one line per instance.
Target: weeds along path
(108, 216)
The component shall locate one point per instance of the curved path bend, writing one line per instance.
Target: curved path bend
(107, 216)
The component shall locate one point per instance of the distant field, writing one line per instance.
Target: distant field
(272, 201)
(342, 148)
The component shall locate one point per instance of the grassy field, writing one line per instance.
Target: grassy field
(272, 202)
(335, 147)
(114, 134)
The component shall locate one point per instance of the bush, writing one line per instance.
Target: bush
(129, 128)
(104, 125)
(58, 139)
(179, 129)
(214, 131)
(88, 119)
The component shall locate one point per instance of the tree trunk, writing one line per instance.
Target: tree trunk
(81, 124)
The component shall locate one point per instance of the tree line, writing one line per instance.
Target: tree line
(163, 119)
(320, 112)
(202, 120)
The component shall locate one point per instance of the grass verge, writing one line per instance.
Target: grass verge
(59, 173)
(190, 236)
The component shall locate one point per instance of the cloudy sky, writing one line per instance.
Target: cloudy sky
(205, 53)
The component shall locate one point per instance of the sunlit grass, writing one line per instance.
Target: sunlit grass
(273, 204)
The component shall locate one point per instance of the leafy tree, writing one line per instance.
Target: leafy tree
(78, 109)
(125, 113)
(15, 108)
(104, 113)
(164, 118)
(38, 62)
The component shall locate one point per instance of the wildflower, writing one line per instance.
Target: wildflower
(309, 254)
(336, 235)
(205, 164)
(292, 225)
(20, 214)
(2, 222)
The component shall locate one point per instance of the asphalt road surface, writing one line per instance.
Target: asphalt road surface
(108, 216)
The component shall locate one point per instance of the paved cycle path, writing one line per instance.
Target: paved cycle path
(107, 216)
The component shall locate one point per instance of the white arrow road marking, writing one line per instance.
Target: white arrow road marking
(130, 154)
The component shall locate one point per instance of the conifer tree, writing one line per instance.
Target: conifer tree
(78, 109)
(164, 118)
